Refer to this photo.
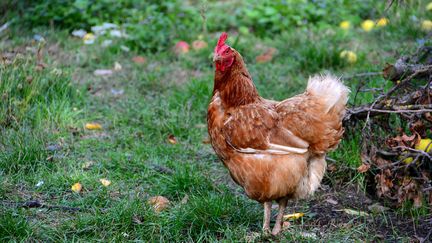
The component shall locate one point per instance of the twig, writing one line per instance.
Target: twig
(359, 75)
(38, 204)
(415, 150)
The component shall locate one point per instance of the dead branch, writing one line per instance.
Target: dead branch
(394, 126)
(38, 204)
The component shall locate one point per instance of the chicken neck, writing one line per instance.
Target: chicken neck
(235, 85)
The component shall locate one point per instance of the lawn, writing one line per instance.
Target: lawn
(152, 139)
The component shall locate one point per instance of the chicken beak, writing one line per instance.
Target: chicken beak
(216, 57)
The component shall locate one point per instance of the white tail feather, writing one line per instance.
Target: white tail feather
(329, 88)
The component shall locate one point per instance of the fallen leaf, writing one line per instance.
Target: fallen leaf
(93, 126)
(76, 187)
(105, 182)
(206, 140)
(103, 72)
(159, 203)
(139, 59)
(354, 212)
(363, 168)
(331, 201)
(199, 44)
(424, 144)
(332, 168)
(117, 66)
(293, 216)
(267, 56)
(172, 139)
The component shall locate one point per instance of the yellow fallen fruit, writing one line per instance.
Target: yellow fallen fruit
(93, 126)
(76, 187)
(105, 182)
(368, 25)
(293, 216)
(426, 25)
(345, 25)
(349, 56)
(424, 144)
(382, 22)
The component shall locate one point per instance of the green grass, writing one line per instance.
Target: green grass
(166, 95)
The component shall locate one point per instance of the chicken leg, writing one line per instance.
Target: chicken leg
(267, 216)
(278, 225)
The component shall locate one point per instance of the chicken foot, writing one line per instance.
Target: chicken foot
(278, 225)
(267, 216)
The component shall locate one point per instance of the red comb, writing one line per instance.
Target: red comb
(222, 39)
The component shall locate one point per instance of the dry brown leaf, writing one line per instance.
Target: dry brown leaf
(206, 140)
(267, 56)
(172, 139)
(199, 44)
(139, 59)
(363, 168)
(332, 168)
(159, 203)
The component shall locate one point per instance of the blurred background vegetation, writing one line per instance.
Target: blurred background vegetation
(153, 25)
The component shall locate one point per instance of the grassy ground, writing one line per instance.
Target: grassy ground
(47, 100)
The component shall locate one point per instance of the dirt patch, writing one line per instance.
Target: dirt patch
(327, 213)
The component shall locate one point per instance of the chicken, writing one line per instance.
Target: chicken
(274, 150)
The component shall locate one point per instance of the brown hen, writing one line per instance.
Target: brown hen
(274, 150)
